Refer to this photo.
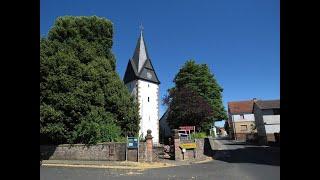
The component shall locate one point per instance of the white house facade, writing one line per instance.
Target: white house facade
(267, 116)
(241, 119)
(143, 83)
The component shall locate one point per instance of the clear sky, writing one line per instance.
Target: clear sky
(239, 40)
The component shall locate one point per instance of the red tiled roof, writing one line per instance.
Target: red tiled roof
(240, 107)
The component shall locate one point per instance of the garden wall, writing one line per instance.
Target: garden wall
(103, 151)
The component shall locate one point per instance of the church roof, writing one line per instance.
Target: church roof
(140, 66)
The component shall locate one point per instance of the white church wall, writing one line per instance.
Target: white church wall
(149, 109)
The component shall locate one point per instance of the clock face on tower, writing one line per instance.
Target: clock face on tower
(149, 75)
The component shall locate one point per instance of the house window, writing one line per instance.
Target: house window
(148, 99)
(241, 116)
(276, 111)
(243, 128)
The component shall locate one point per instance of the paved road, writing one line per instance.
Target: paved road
(234, 161)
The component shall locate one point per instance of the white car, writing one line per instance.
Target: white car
(183, 136)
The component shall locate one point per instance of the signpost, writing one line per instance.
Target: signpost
(132, 143)
(188, 128)
(188, 146)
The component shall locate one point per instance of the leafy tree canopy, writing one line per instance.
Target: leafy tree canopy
(198, 79)
(188, 108)
(82, 98)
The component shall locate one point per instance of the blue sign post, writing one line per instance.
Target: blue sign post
(132, 143)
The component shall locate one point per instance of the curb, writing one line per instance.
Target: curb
(96, 166)
(102, 166)
(203, 161)
(91, 166)
(140, 167)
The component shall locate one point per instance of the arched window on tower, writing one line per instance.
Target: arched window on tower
(148, 99)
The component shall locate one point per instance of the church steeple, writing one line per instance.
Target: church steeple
(143, 84)
(140, 54)
(140, 66)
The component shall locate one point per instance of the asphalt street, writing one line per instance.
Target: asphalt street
(234, 161)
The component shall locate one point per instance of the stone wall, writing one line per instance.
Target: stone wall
(148, 152)
(132, 155)
(189, 154)
(202, 151)
(117, 152)
(102, 151)
(142, 151)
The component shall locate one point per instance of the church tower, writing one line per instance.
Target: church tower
(143, 83)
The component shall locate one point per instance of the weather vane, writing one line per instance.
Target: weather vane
(141, 27)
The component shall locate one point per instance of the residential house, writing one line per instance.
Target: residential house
(241, 119)
(267, 118)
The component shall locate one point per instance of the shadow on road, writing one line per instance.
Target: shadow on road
(249, 154)
(237, 143)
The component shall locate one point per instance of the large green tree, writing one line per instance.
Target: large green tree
(187, 108)
(199, 79)
(82, 98)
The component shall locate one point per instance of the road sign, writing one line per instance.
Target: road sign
(188, 146)
(187, 128)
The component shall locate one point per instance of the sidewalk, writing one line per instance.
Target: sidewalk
(120, 164)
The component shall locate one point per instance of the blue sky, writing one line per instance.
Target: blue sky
(239, 40)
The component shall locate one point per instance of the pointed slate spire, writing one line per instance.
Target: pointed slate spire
(140, 54)
(140, 66)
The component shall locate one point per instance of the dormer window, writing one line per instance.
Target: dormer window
(149, 75)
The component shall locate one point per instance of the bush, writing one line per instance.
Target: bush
(199, 135)
(121, 139)
(98, 126)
